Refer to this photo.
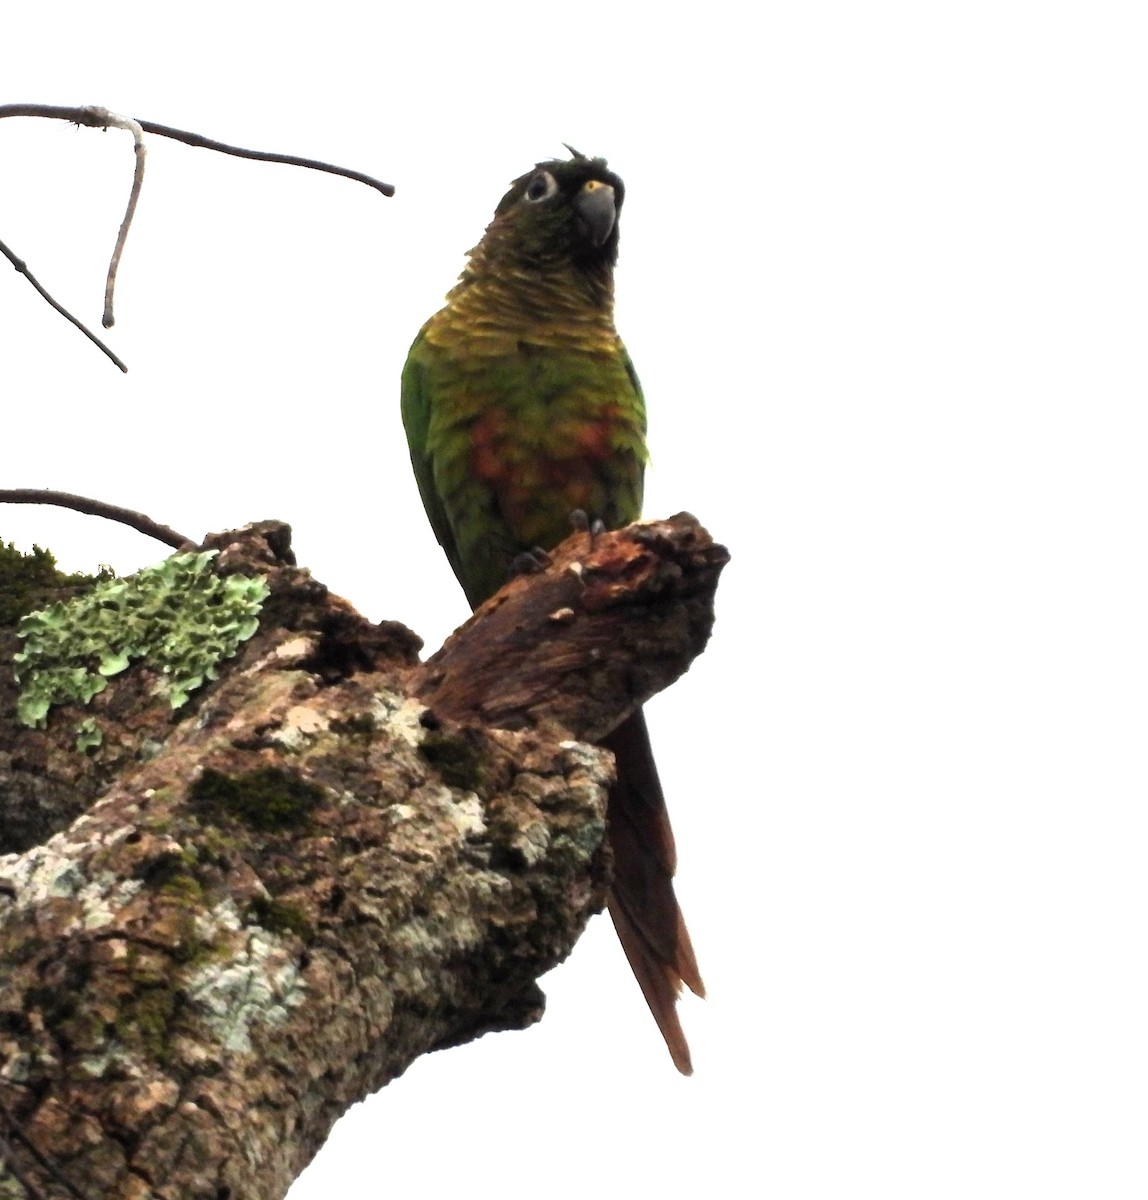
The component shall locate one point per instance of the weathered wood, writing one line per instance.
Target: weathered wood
(615, 618)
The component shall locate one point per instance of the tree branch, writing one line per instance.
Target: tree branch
(96, 508)
(95, 116)
(277, 900)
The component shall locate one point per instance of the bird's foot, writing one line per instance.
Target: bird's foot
(581, 523)
(529, 562)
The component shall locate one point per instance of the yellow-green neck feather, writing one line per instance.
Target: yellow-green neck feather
(503, 298)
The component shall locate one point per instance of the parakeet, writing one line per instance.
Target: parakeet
(521, 406)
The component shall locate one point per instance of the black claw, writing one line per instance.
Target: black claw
(581, 523)
(529, 562)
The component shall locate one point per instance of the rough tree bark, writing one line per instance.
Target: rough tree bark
(223, 927)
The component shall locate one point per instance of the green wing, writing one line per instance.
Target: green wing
(630, 501)
(416, 409)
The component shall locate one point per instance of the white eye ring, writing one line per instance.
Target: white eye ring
(541, 187)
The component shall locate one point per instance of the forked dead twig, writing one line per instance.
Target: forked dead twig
(97, 117)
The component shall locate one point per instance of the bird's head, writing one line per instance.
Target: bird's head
(564, 210)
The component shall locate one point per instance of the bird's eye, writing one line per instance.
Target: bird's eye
(541, 187)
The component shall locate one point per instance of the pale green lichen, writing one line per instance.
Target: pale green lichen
(50, 872)
(255, 985)
(179, 616)
(401, 715)
(88, 734)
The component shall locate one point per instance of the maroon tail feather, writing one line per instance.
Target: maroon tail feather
(642, 901)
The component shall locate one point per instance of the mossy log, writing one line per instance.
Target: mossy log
(222, 926)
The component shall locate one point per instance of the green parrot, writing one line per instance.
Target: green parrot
(521, 407)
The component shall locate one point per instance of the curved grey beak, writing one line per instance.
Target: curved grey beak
(594, 205)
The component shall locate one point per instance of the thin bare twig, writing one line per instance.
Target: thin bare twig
(137, 182)
(22, 267)
(96, 508)
(292, 160)
(92, 115)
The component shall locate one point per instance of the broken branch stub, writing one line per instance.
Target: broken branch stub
(613, 620)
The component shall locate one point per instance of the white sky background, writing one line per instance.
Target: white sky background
(883, 276)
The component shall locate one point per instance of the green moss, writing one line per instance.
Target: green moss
(147, 966)
(145, 1021)
(178, 616)
(28, 581)
(457, 758)
(184, 887)
(269, 799)
(186, 900)
(280, 918)
(570, 851)
(363, 723)
(169, 872)
(214, 846)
